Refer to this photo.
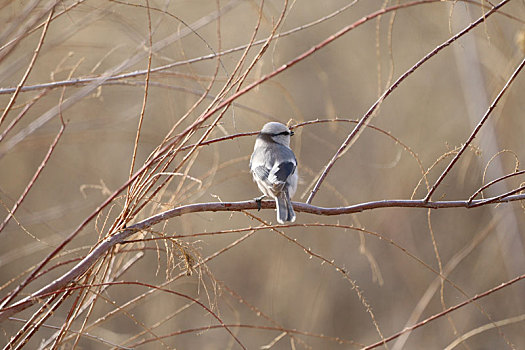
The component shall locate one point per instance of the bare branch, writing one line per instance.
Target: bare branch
(111, 241)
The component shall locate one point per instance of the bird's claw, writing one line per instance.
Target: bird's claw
(258, 200)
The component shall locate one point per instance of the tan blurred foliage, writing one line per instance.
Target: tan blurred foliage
(298, 287)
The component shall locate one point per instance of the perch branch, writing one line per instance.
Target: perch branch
(108, 243)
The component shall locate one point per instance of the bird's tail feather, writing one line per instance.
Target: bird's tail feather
(284, 208)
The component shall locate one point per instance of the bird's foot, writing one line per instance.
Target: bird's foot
(258, 201)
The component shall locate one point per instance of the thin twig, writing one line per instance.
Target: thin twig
(250, 326)
(29, 67)
(84, 334)
(22, 113)
(144, 102)
(497, 198)
(166, 290)
(447, 311)
(484, 187)
(34, 178)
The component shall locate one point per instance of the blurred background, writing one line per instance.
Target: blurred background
(277, 289)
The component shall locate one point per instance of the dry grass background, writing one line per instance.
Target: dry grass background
(232, 279)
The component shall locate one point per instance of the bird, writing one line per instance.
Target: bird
(274, 168)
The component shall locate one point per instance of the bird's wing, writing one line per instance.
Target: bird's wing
(280, 173)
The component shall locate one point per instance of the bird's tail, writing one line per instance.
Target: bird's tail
(284, 208)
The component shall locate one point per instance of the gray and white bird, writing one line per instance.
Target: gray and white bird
(274, 168)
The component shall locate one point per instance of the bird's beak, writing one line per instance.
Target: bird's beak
(291, 133)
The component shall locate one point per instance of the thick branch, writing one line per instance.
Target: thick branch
(105, 245)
